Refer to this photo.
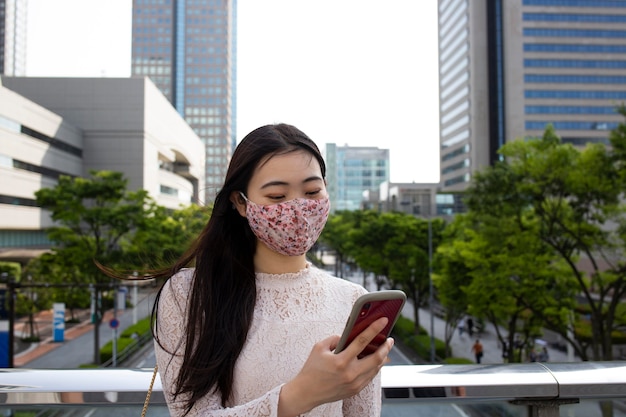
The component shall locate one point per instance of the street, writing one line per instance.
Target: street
(79, 351)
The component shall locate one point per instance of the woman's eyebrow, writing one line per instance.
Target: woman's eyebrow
(274, 183)
(313, 178)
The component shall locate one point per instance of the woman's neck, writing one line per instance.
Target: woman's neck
(270, 262)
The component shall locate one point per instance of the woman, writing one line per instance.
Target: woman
(250, 329)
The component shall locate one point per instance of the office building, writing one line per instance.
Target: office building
(352, 172)
(508, 68)
(13, 37)
(414, 199)
(188, 50)
(69, 126)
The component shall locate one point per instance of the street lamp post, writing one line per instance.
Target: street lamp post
(135, 274)
(431, 297)
(114, 357)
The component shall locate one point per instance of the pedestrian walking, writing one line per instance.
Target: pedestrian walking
(470, 327)
(461, 327)
(477, 348)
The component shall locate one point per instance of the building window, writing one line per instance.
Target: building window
(573, 33)
(570, 110)
(571, 125)
(17, 201)
(575, 3)
(574, 63)
(55, 143)
(572, 17)
(575, 79)
(169, 190)
(573, 94)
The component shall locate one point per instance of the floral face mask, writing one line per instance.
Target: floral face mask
(291, 227)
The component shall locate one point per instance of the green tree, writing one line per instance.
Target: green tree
(451, 275)
(335, 236)
(92, 216)
(367, 240)
(12, 269)
(406, 252)
(568, 199)
(66, 283)
(164, 236)
(391, 246)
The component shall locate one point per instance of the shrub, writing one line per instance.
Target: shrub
(14, 269)
(405, 328)
(106, 351)
(126, 339)
(141, 328)
(421, 345)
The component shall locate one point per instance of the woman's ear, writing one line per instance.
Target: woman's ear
(239, 203)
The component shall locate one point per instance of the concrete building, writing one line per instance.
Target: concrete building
(13, 37)
(408, 198)
(36, 147)
(69, 126)
(415, 199)
(351, 171)
(507, 69)
(188, 49)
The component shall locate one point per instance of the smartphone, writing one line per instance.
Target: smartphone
(367, 309)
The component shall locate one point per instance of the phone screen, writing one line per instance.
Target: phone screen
(366, 310)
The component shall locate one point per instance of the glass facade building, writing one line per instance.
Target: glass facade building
(13, 37)
(352, 171)
(188, 49)
(508, 68)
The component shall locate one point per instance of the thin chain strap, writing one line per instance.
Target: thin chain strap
(145, 404)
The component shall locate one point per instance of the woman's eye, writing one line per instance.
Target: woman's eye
(313, 193)
(275, 197)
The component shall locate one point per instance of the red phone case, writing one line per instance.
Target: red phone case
(366, 310)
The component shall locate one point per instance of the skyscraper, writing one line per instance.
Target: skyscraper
(508, 68)
(187, 48)
(13, 37)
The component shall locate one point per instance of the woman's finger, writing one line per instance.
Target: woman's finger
(367, 336)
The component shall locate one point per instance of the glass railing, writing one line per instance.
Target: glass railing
(581, 389)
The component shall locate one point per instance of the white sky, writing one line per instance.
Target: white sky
(352, 72)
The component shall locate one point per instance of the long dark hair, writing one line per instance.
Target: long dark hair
(223, 293)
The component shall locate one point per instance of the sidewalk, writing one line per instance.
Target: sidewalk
(77, 346)
(47, 343)
(461, 345)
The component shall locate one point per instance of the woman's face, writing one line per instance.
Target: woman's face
(286, 177)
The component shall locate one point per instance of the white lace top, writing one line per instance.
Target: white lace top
(293, 312)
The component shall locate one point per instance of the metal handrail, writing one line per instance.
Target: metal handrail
(507, 382)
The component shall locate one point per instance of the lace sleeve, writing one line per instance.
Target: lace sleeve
(170, 329)
(365, 403)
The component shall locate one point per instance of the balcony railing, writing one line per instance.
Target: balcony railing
(532, 389)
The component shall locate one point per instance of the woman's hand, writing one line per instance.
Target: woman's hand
(327, 377)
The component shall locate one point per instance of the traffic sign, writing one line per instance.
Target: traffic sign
(114, 323)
